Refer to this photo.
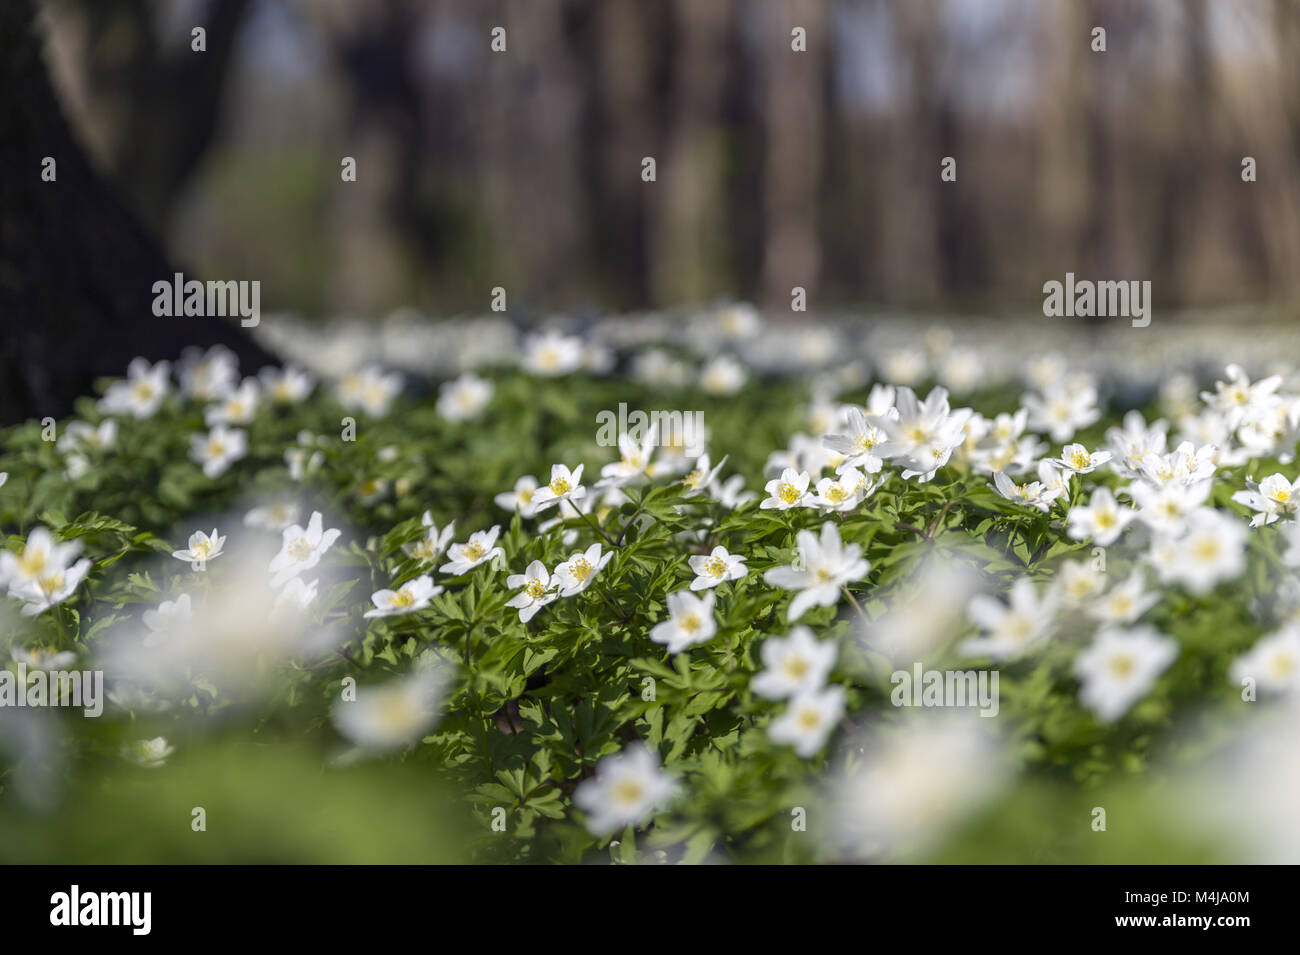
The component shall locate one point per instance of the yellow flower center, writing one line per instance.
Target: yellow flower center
(715, 566)
(788, 493)
(559, 486)
(473, 550)
(535, 589)
(810, 719)
(32, 561)
(796, 667)
(628, 792)
(1122, 665)
(690, 623)
(299, 549)
(579, 568)
(1284, 665)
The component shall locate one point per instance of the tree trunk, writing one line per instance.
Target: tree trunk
(76, 267)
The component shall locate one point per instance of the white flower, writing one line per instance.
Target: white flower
(1062, 410)
(731, 493)
(288, 386)
(535, 593)
(738, 322)
(301, 549)
(218, 449)
(787, 491)
(238, 407)
(1186, 465)
(552, 354)
(1165, 509)
(1125, 602)
(370, 389)
(1211, 551)
(429, 548)
(76, 465)
(464, 398)
(718, 566)
(690, 622)
(302, 461)
(795, 665)
(50, 588)
(295, 595)
(565, 485)
(1131, 443)
(1273, 663)
(41, 555)
(634, 460)
(480, 548)
(272, 517)
(703, 477)
(141, 394)
(1008, 631)
(171, 617)
(411, 596)
(822, 567)
(201, 548)
(843, 492)
(722, 376)
(1238, 397)
(914, 784)
(625, 791)
(1272, 498)
(1101, 520)
(575, 575)
(1004, 446)
(372, 490)
(43, 658)
(1120, 667)
(80, 435)
(149, 753)
(858, 443)
(520, 498)
(1077, 458)
(394, 714)
(1031, 493)
(1078, 582)
(925, 434)
(809, 720)
(210, 375)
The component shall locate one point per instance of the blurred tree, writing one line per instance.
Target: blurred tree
(76, 266)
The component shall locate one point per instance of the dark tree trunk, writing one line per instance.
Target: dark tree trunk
(76, 266)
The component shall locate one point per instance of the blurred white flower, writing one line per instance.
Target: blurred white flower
(392, 715)
(142, 393)
(690, 622)
(301, 549)
(1120, 668)
(625, 791)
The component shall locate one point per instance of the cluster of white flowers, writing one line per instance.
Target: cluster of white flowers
(44, 573)
(1149, 487)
